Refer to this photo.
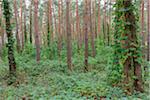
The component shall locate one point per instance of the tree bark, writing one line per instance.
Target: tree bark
(3, 32)
(104, 23)
(99, 18)
(68, 29)
(59, 28)
(48, 24)
(94, 18)
(86, 18)
(131, 42)
(25, 27)
(91, 30)
(21, 26)
(31, 17)
(142, 23)
(11, 58)
(148, 29)
(37, 40)
(1, 45)
(17, 26)
(78, 25)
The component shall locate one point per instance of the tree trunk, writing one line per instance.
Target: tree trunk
(1, 45)
(25, 28)
(91, 30)
(3, 32)
(68, 29)
(78, 25)
(62, 21)
(21, 26)
(148, 28)
(94, 18)
(30, 31)
(104, 23)
(55, 24)
(37, 40)
(51, 20)
(48, 24)
(142, 23)
(86, 18)
(59, 28)
(99, 18)
(17, 26)
(11, 58)
(131, 42)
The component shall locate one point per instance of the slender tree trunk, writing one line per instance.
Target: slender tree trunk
(11, 58)
(68, 29)
(99, 18)
(25, 28)
(0, 15)
(86, 18)
(1, 45)
(104, 23)
(51, 19)
(31, 16)
(110, 12)
(142, 22)
(59, 28)
(36, 29)
(3, 32)
(91, 30)
(94, 18)
(48, 24)
(72, 24)
(78, 24)
(62, 21)
(108, 33)
(21, 26)
(148, 28)
(55, 23)
(17, 26)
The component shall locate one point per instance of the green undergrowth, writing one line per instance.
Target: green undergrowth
(51, 80)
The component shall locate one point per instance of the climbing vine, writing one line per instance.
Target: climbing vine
(127, 51)
(11, 59)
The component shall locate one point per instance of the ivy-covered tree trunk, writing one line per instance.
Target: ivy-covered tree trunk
(11, 59)
(128, 48)
(132, 45)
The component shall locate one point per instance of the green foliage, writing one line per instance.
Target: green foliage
(122, 49)
(50, 79)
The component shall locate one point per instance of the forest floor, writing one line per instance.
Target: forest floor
(51, 80)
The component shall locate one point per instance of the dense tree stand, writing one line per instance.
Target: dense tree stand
(74, 49)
